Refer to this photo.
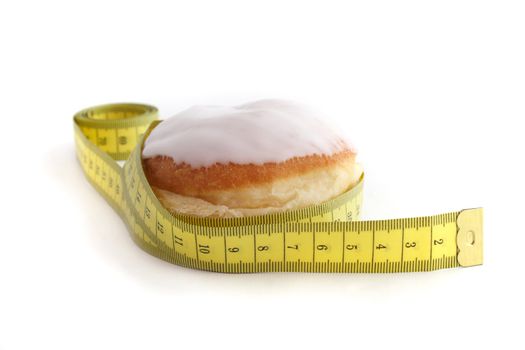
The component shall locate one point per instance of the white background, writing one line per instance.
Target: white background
(431, 92)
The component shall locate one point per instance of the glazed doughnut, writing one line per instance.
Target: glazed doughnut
(258, 158)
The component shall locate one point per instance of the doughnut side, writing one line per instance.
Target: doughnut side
(287, 195)
(229, 190)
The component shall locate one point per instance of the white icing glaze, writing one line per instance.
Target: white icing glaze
(258, 132)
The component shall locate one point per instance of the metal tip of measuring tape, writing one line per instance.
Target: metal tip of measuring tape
(470, 237)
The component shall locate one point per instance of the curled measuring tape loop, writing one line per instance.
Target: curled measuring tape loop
(321, 238)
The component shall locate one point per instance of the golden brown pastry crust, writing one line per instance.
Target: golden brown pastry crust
(181, 178)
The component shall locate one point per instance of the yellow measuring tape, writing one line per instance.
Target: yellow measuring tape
(321, 238)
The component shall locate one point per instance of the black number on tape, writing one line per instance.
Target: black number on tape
(204, 248)
(177, 239)
(410, 244)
